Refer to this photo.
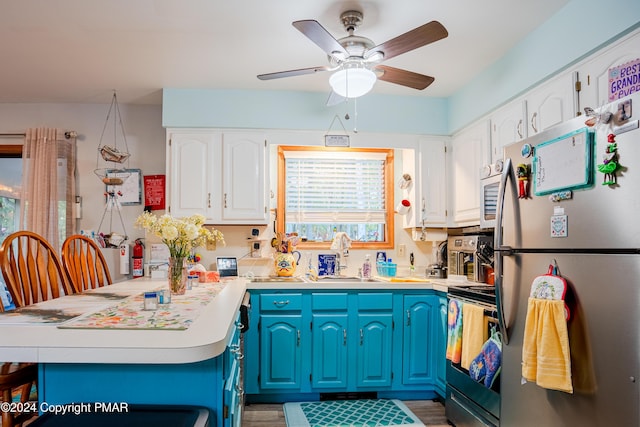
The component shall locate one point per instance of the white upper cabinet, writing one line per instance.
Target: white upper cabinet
(594, 74)
(508, 125)
(245, 192)
(469, 152)
(551, 103)
(219, 175)
(433, 203)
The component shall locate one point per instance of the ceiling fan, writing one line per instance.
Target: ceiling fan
(356, 61)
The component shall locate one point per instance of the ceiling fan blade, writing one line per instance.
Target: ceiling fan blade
(418, 37)
(404, 77)
(291, 73)
(317, 34)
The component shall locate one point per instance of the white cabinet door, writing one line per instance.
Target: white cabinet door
(508, 125)
(192, 174)
(470, 151)
(594, 74)
(433, 205)
(550, 104)
(244, 190)
(219, 175)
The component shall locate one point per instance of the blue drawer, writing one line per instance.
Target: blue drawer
(375, 301)
(280, 302)
(329, 301)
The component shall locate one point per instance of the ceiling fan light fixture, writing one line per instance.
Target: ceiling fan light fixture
(352, 82)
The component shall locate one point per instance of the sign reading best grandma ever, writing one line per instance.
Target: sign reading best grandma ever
(624, 80)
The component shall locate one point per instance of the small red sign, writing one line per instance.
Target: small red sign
(154, 188)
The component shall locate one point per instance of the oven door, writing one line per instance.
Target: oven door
(470, 403)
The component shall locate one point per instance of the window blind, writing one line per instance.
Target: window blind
(335, 188)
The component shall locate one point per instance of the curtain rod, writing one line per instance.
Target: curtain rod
(68, 134)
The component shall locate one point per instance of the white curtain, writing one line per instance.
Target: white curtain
(49, 184)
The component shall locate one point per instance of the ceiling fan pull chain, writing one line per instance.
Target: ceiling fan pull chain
(355, 114)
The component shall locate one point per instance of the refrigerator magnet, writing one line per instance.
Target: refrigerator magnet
(559, 223)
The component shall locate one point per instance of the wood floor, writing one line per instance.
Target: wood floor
(271, 415)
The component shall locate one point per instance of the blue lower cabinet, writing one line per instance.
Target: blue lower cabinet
(374, 349)
(280, 351)
(304, 343)
(329, 356)
(440, 347)
(417, 348)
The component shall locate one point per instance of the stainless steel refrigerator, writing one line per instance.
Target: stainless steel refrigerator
(588, 224)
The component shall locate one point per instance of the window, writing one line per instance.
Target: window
(10, 188)
(322, 191)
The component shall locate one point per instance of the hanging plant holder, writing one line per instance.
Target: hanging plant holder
(110, 166)
(112, 156)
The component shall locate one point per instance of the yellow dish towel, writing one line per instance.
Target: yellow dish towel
(474, 333)
(545, 348)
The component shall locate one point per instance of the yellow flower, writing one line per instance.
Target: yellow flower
(181, 235)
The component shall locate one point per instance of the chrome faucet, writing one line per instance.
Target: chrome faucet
(339, 263)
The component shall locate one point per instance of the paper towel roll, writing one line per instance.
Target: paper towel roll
(124, 258)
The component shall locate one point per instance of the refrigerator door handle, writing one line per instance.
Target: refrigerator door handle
(500, 250)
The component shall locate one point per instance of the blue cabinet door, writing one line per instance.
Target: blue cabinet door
(280, 351)
(329, 351)
(440, 344)
(374, 349)
(418, 359)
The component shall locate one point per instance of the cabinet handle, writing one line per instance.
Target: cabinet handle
(281, 303)
(298, 340)
(408, 318)
(344, 337)
(361, 336)
(533, 122)
(519, 129)
(208, 200)
(225, 200)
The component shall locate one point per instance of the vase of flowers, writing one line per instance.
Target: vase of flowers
(181, 235)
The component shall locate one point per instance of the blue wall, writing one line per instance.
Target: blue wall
(577, 30)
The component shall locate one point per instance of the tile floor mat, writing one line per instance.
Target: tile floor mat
(350, 413)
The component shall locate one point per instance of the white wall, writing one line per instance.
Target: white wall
(146, 142)
(145, 139)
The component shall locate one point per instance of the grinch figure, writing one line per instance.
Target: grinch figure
(610, 165)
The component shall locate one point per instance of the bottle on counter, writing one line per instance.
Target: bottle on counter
(366, 267)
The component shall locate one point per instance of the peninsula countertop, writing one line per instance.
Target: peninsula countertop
(205, 338)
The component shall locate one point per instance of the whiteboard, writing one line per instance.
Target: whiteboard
(564, 163)
(131, 188)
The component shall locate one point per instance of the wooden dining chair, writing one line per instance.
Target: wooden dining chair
(84, 264)
(21, 378)
(32, 269)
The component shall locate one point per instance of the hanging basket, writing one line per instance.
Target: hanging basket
(112, 154)
(112, 176)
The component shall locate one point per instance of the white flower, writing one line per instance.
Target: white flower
(180, 235)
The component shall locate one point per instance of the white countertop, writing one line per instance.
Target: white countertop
(398, 283)
(206, 337)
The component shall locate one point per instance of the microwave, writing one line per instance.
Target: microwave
(489, 187)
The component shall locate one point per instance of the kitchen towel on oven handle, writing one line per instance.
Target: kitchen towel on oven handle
(454, 331)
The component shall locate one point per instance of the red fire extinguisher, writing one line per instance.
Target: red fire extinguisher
(138, 259)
